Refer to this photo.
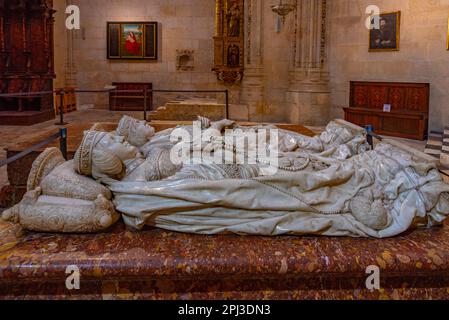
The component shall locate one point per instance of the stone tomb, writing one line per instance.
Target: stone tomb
(156, 264)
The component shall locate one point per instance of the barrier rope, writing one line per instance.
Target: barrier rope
(62, 135)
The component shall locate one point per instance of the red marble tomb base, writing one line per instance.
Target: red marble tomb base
(154, 264)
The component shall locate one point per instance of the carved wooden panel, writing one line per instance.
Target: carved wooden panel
(26, 59)
(397, 98)
(229, 40)
(417, 99)
(377, 96)
(361, 97)
(409, 108)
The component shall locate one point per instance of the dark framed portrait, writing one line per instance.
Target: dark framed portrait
(385, 36)
(133, 40)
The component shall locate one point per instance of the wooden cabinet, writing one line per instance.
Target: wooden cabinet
(130, 101)
(26, 60)
(409, 102)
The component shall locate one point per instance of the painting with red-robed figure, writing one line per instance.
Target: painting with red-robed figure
(132, 40)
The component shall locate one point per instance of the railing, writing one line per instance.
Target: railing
(145, 92)
(61, 135)
(371, 135)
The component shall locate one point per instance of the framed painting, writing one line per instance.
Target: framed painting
(387, 34)
(133, 40)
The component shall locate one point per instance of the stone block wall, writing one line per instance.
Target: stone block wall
(267, 88)
(423, 56)
(182, 25)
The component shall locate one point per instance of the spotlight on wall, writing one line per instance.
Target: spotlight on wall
(282, 10)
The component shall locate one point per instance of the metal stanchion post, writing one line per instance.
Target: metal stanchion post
(61, 109)
(63, 142)
(370, 129)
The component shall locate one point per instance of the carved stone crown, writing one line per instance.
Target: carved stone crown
(124, 126)
(83, 156)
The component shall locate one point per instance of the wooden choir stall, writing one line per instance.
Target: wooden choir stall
(26, 61)
(392, 108)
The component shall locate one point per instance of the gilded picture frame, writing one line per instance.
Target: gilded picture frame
(132, 40)
(387, 38)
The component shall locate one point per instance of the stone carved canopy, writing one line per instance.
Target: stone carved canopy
(229, 40)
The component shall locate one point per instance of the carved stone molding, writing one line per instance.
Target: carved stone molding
(309, 94)
(252, 92)
(230, 76)
(70, 76)
(229, 41)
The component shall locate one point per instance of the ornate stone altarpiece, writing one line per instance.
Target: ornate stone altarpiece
(229, 40)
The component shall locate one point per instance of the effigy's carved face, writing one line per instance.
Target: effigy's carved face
(136, 132)
(142, 134)
(118, 147)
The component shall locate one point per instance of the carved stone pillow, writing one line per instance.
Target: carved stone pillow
(63, 181)
(56, 177)
(43, 165)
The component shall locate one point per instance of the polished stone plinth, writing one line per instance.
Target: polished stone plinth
(155, 264)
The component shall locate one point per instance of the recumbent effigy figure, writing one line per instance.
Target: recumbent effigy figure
(326, 185)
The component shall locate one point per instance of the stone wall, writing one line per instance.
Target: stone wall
(277, 62)
(283, 81)
(422, 57)
(183, 25)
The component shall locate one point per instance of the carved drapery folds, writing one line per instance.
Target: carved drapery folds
(229, 40)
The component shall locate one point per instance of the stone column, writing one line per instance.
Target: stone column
(70, 74)
(308, 96)
(252, 92)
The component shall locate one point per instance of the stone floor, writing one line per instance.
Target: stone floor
(13, 134)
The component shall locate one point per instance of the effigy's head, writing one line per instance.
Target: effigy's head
(136, 132)
(103, 154)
